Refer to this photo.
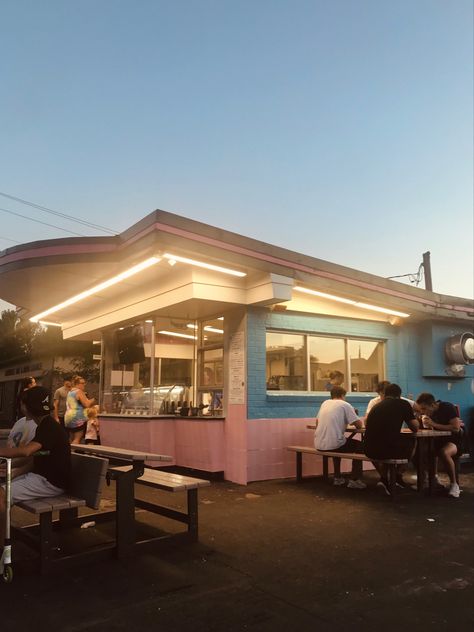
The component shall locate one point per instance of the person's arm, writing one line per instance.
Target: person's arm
(84, 400)
(23, 450)
(413, 424)
(56, 409)
(454, 424)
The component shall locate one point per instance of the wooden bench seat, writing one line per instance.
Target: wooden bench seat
(88, 477)
(170, 482)
(353, 456)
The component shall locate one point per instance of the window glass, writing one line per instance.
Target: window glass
(126, 369)
(366, 358)
(356, 365)
(327, 363)
(285, 362)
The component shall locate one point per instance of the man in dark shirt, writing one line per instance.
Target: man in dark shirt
(383, 439)
(443, 416)
(51, 472)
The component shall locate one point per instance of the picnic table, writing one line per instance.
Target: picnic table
(426, 454)
(124, 489)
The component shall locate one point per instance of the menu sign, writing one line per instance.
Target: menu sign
(237, 368)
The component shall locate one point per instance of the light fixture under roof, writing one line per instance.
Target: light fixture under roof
(178, 335)
(202, 264)
(347, 301)
(47, 323)
(98, 288)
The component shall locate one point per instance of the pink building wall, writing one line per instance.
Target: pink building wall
(245, 450)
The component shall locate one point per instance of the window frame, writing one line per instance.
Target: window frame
(347, 360)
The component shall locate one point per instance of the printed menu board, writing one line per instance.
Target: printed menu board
(237, 368)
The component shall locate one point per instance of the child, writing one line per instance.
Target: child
(92, 432)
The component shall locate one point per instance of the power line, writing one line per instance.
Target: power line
(58, 214)
(38, 221)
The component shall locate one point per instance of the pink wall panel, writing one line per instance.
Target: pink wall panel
(200, 444)
(236, 440)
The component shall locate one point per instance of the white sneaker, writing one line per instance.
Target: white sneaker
(454, 491)
(339, 481)
(356, 484)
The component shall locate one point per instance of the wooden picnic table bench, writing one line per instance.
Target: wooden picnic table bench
(87, 481)
(170, 482)
(354, 456)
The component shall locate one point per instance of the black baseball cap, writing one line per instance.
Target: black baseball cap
(36, 400)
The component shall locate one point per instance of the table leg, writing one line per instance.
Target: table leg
(125, 513)
(431, 466)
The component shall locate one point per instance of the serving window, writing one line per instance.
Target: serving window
(301, 362)
(151, 367)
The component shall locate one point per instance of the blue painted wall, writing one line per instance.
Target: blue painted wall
(404, 362)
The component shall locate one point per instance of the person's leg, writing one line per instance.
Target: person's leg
(75, 436)
(446, 455)
(337, 467)
(2, 518)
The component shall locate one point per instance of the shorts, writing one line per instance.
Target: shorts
(80, 426)
(401, 449)
(440, 442)
(31, 486)
(351, 445)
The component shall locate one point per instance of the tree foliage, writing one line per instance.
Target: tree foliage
(21, 340)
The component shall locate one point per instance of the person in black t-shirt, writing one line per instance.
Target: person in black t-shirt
(383, 439)
(440, 415)
(51, 472)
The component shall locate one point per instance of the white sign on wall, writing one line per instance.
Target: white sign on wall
(237, 368)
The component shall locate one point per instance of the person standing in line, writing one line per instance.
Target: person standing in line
(75, 419)
(334, 416)
(26, 383)
(383, 438)
(59, 400)
(440, 415)
(93, 429)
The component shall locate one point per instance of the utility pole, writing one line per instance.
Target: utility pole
(427, 271)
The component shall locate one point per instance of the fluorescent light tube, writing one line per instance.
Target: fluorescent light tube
(98, 288)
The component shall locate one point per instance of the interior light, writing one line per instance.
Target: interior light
(148, 321)
(98, 288)
(172, 262)
(213, 329)
(175, 333)
(191, 326)
(46, 323)
(339, 299)
(201, 264)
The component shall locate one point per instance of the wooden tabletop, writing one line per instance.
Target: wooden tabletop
(120, 453)
(422, 433)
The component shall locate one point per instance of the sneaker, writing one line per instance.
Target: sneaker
(454, 491)
(339, 481)
(356, 484)
(384, 485)
(401, 483)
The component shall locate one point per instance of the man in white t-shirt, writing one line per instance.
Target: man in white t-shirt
(334, 416)
(381, 386)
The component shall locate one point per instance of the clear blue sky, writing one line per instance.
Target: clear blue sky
(342, 129)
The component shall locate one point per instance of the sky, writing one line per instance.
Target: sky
(341, 129)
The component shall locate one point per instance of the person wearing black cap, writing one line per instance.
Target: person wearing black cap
(51, 472)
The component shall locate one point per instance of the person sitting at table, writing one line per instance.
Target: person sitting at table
(440, 415)
(383, 439)
(51, 472)
(381, 392)
(334, 416)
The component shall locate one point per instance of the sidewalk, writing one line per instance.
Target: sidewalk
(272, 556)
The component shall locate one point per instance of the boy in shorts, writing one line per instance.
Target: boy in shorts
(51, 470)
